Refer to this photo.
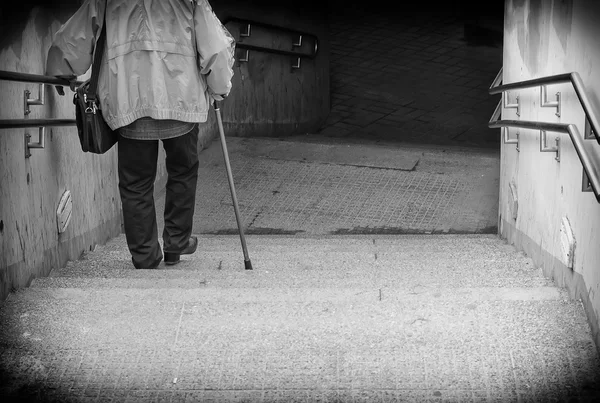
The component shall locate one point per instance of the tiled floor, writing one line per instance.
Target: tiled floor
(284, 187)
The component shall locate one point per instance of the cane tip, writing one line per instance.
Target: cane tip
(248, 264)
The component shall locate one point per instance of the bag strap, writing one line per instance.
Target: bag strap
(98, 51)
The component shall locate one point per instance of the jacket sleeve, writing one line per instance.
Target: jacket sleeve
(216, 49)
(73, 44)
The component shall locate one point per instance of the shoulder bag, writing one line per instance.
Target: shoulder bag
(95, 135)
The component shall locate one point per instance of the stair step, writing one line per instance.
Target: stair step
(400, 262)
(460, 318)
(150, 318)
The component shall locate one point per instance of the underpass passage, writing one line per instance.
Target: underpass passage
(408, 82)
(411, 76)
(315, 188)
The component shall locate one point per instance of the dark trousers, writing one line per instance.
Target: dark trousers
(137, 172)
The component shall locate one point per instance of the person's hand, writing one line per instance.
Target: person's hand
(59, 88)
(218, 97)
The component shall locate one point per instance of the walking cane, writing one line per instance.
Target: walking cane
(247, 263)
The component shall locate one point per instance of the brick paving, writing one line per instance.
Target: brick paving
(409, 76)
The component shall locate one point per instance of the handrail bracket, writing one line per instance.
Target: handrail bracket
(247, 32)
(296, 64)
(245, 58)
(507, 105)
(504, 130)
(586, 184)
(545, 148)
(544, 103)
(588, 132)
(508, 140)
(41, 143)
(32, 101)
(298, 42)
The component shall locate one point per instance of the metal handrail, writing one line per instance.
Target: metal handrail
(36, 78)
(591, 112)
(590, 166)
(21, 123)
(271, 50)
(300, 34)
(60, 81)
(41, 124)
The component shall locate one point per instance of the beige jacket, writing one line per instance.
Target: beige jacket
(164, 59)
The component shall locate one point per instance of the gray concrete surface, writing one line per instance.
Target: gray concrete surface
(289, 187)
(328, 314)
(433, 318)
(350, 299)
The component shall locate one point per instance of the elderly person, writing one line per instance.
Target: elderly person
(163, 63)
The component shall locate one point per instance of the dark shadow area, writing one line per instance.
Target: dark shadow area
(418, 73)
(13, 19)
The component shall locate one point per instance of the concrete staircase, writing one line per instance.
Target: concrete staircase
(327, 318)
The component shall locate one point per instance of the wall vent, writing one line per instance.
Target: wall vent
(63, 212)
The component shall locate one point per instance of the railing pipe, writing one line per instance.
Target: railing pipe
(266, 25)
(590, 111)
(294, 44)
(20, 123)
(590, 168)
(536, 82)
(34, 78)
(247, 46)
(527, 124)
(298, 43)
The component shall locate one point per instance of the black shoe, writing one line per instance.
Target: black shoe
(174, 258)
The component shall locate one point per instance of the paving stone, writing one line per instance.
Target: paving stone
(288, 194)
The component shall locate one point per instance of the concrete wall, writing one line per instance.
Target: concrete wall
(30, 189)
(267, 99)
(544, 38)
